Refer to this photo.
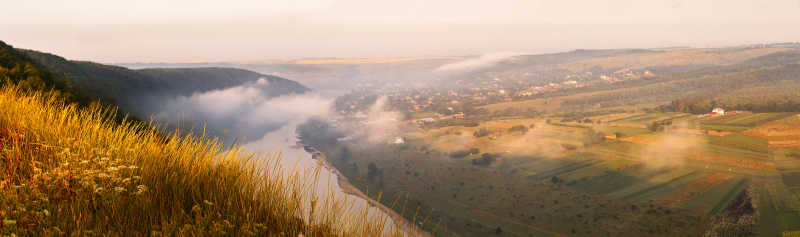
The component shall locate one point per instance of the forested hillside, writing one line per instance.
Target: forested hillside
(19, 69)
(123, 87)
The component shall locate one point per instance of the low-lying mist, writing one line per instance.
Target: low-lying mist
(379, 124)
(244, 111)
(671, 147)
(484, 61)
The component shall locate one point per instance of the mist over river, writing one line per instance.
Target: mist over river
(265, 125)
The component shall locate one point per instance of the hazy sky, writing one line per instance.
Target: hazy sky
(244, 30)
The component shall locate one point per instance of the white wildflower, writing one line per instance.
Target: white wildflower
(9, 222)
(141, 189)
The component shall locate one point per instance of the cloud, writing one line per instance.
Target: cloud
(484, 61)
(538, 140)
(247, 110)
(382, 124)
(377, 126)
(671, 147)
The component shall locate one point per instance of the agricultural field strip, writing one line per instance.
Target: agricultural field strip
(555, 171)
(707, 124)
(755, 119)
(731, 162)
(694, 189)
(615, 154)
(738, 153)
(627, 118)
(533, 162)
(545, 168)
(643, 118)
(719, 197)
(781, 197)
(568, 125)
(571, 170)
(595, 170)
(724, 128)
(741, 142)
(738, 162)
(657, 181)
(665, 117)
(666, 188)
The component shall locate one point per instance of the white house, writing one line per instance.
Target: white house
(718, 111)
(398, 140)
(427, 120)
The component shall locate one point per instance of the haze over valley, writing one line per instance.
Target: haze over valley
(420, 118)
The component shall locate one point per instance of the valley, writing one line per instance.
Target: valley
(318, 118)
(583, 160)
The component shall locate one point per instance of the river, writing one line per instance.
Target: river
(294, 158)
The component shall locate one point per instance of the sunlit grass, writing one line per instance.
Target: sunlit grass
(69, 170)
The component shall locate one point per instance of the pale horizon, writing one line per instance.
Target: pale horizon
(236, 31)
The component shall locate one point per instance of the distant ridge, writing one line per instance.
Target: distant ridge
(121, 86)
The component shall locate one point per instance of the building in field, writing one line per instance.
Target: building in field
(718, 111)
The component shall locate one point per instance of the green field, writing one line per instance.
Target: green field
(741, 142)
(645, 118)
(742, 122)
(752, 120)
(723, 127)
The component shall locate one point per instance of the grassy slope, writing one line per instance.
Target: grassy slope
(64, 169)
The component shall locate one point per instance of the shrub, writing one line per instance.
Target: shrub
(619, 134)
(593, 137)
(474, 151)
(485, 160)
(569, 146)
(459, 154)
(518, 128)
(482, 132)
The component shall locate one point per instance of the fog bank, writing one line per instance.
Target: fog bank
(244, 111)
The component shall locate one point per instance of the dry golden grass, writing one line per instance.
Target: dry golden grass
(66, 170)
(781, 134)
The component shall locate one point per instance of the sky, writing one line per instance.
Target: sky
(253, 30)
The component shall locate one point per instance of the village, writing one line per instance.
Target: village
(429, 105)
